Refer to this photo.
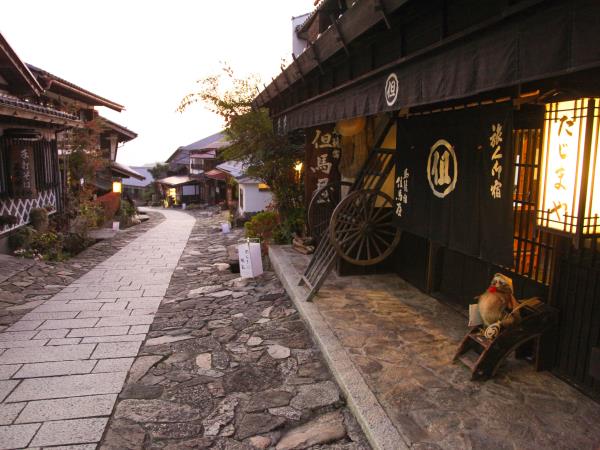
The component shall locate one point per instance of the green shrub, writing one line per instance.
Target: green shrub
(262, 226)
(21, 238)
(290, 225)
(8, 220)
(74, 243)
(39, 219)
(92, 212)
(48, 245)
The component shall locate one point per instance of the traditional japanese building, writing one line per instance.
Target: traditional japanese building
(188, 165)
(37, 109)
(447, 141)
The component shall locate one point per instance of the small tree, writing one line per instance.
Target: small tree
(159, 170)
(266, 154)
(84, 159)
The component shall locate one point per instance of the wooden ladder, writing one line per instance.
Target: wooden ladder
(372, 176)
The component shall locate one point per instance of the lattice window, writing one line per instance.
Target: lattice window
(532, 246)
(3, 172)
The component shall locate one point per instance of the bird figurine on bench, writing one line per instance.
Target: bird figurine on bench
(496, 304)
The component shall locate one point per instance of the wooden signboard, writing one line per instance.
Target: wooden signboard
(322, 157)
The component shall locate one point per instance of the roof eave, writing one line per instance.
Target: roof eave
(326, 46)
(21, 67)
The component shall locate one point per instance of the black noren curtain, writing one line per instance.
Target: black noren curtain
(454, 180)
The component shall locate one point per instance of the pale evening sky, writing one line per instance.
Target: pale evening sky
(146, 55)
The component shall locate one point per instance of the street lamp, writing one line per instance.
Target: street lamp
(569, 201)
(117, 187)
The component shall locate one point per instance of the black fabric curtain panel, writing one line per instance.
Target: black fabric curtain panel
(454, 180)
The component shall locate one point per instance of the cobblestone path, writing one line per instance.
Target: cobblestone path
(228, 364)
(64, 362)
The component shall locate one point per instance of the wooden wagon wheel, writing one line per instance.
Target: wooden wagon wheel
(361, 229)
(321, 207)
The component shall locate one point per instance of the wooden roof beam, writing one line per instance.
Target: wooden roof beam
(287, 79)
(338, 32)
(379, 6)
(298, 68)
(316, 58)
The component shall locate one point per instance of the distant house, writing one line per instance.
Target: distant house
(135, 188)
(188, 165)
(252, 195)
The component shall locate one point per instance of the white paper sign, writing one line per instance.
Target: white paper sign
(250, 259)
(474, 316)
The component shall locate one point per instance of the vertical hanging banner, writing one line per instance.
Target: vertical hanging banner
(322, 157)
(23, 170)
(453, 180)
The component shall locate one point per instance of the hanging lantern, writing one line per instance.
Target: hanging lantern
(568, 198)
(117, 187)
(298, 171)
(351, 127)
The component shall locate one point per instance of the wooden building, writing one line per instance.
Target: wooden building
(468, 132)
(37, 110)
(188, 165)
(246, 195)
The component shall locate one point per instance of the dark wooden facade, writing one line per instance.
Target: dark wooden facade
(527, 53)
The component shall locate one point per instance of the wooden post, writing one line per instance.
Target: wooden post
(432, 258)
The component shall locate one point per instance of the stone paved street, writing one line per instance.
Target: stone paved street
(228, 364)
(26, 284)
(64, 362)
(224, 363)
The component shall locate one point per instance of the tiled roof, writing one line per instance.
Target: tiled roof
(233, 168)
(50, 79)
(177, 180)
(125, 133)
(148, 178)
(214, 141)
(122, 169)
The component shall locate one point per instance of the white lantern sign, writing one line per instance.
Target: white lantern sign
(250, 257)
(569, 202)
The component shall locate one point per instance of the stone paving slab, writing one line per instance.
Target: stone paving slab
(45, 354)
(49, 369)
(66, 360)
(17, 436)
(66, 408)
(68, 386)
(73, 431)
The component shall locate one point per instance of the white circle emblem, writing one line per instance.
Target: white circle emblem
(442, 168)
(391, 89)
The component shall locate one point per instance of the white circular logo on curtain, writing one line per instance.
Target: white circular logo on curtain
(391, 89)
(442, 168)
